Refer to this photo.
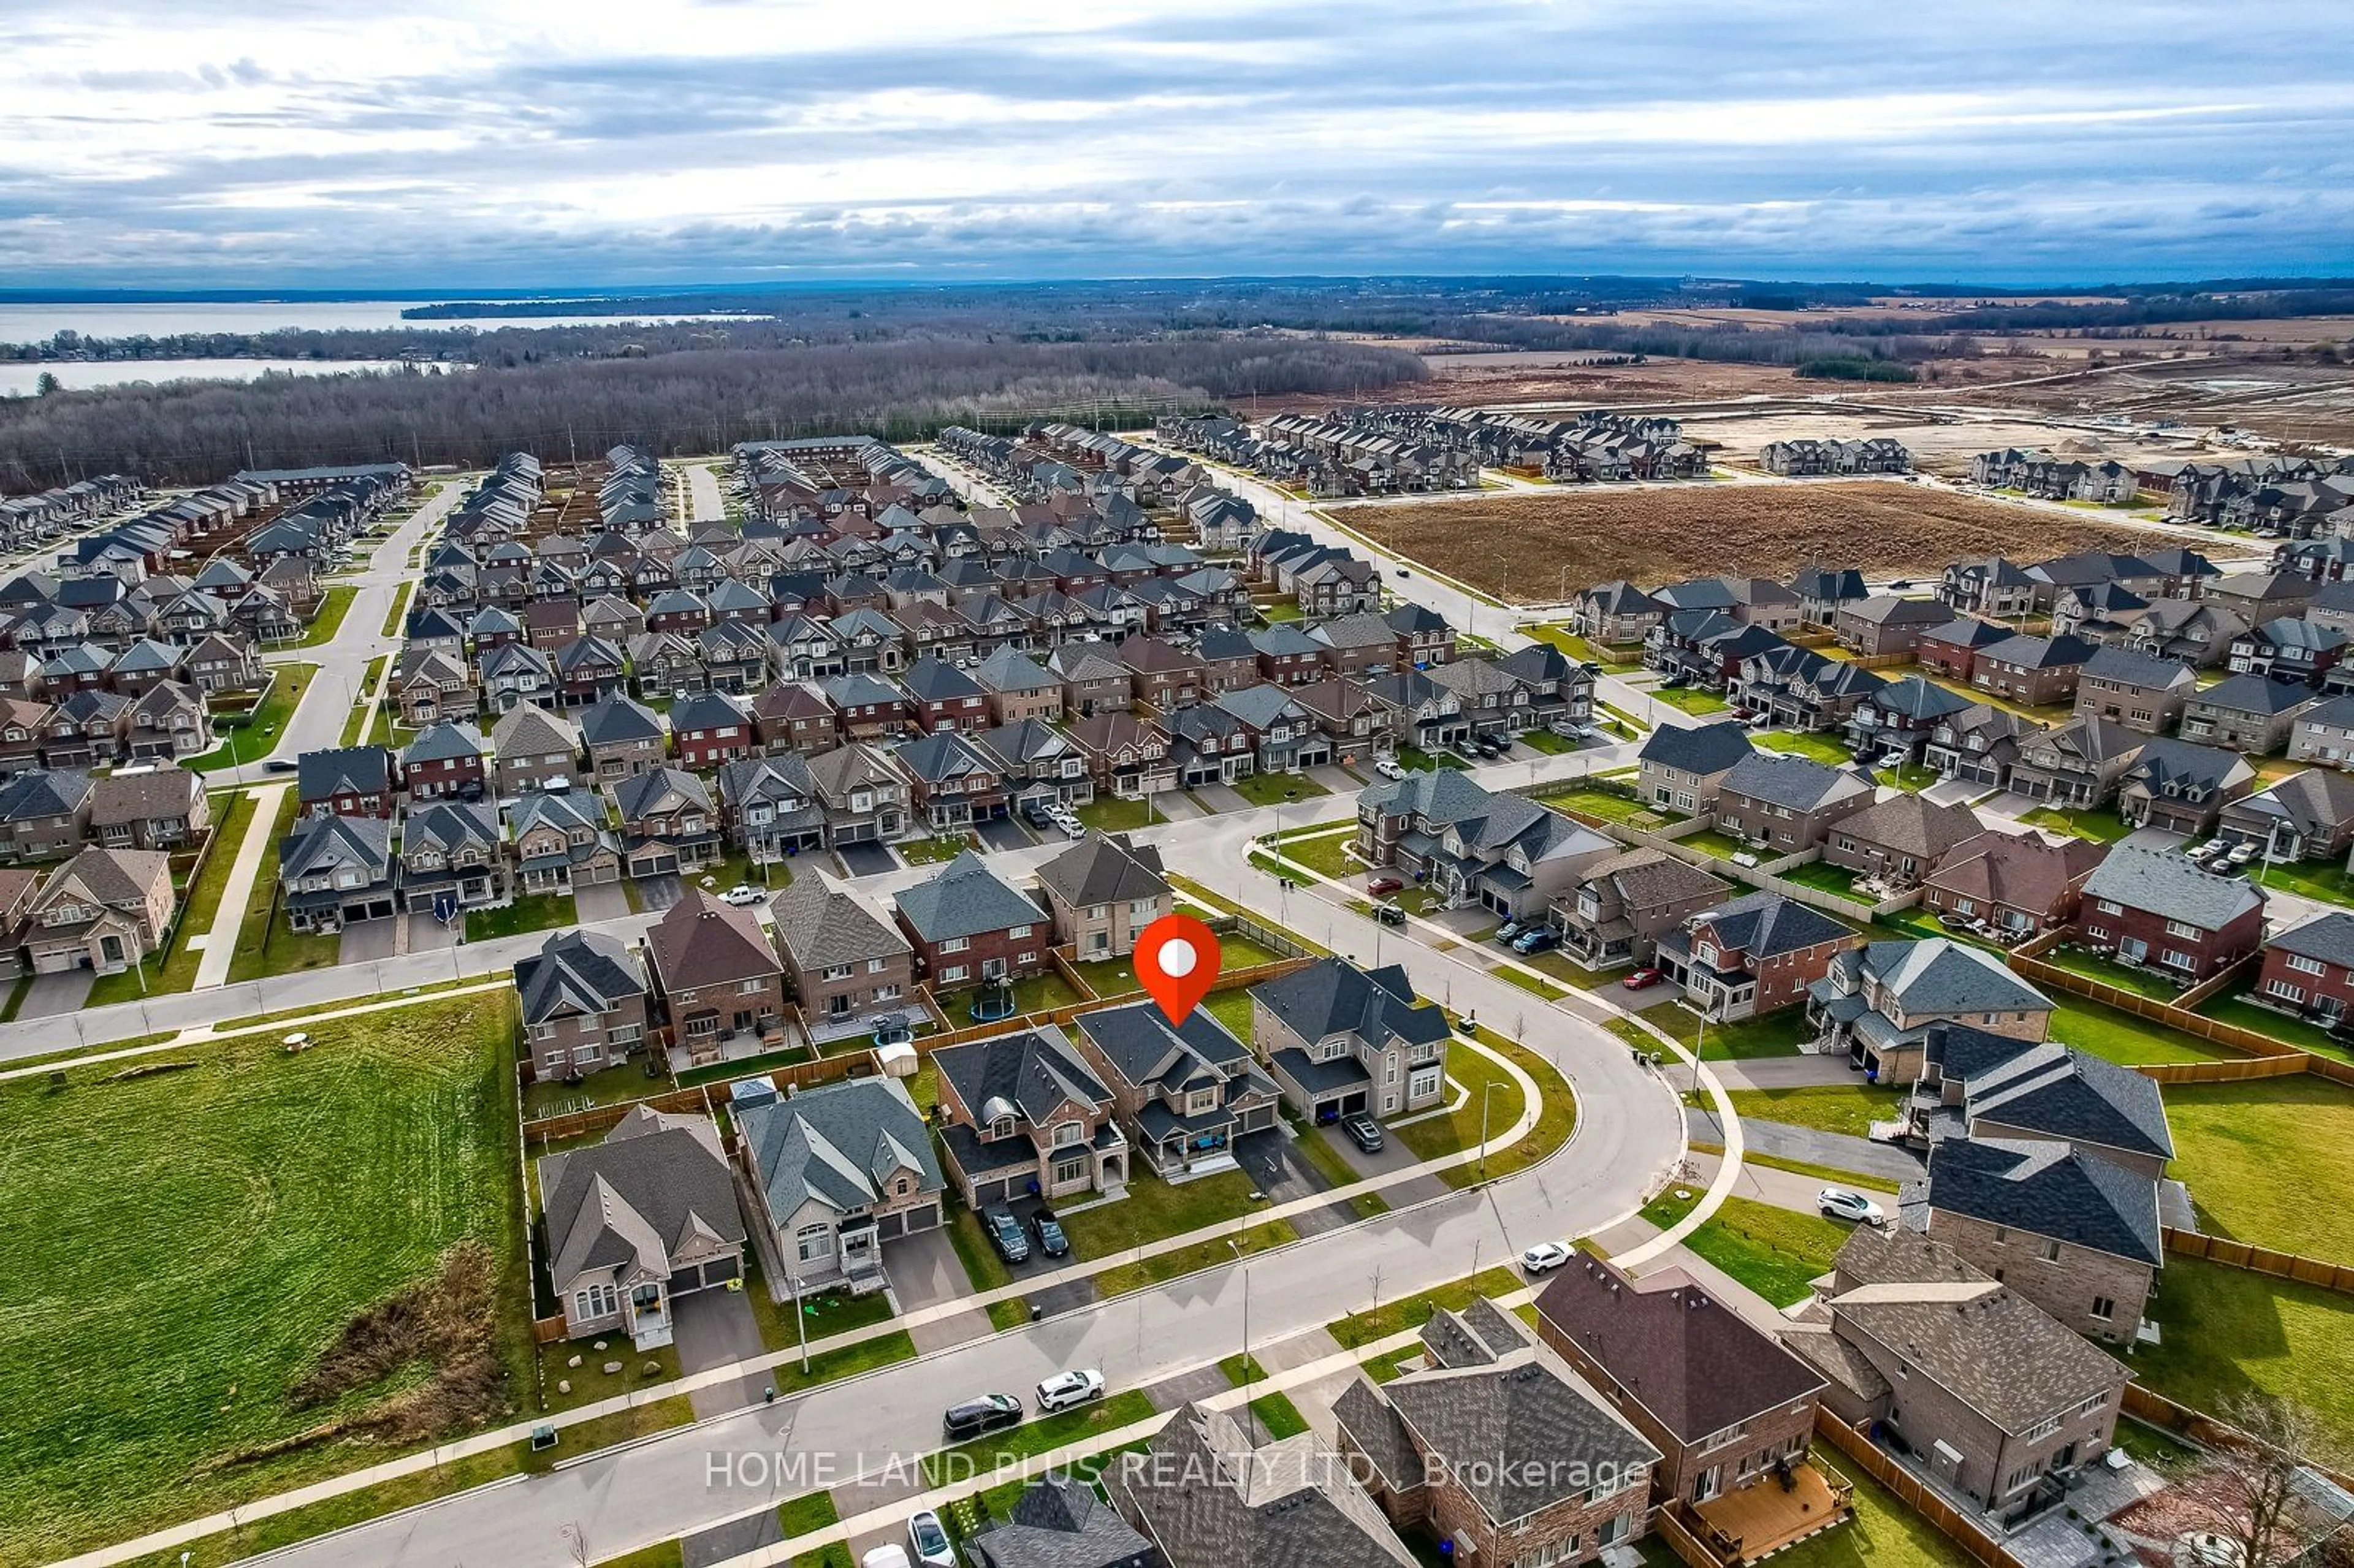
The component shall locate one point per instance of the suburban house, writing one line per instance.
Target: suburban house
(1437, 1448)
(535, 749)
(104, 910)
(1726, 1406)
(840, 1170)
(1898, 842)
(1887, 624)
(716, 975)
(452, 857)
(1879, 1000)
(45, 812)
(562, 844)
(1341, 1040)
(1025, 1114)
(350, 781)
(1102, 892)
(624, 738)
(444, 761)
(2031, 671)
(149, 808)
(969, 925)
(2252, 714)
(847, 963)
(1207, 1496)
(2324, 734)
(2181, 787)
(1680, 768)
(1183, 1093)
(2000, 1399)
(2308, 815)
(583, 997)
(1620, 905)
(1787, 803)
(2308, 969)
(669, 822)
(2160, 909)
(637, 1220)
(1467, 844)
(336, 871)
(1978, 1085)
(2076, 764)
(1758, 953)
(2019, 884)
(1058, 1521)
(2143, 692)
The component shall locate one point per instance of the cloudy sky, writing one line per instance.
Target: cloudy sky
(521, 144)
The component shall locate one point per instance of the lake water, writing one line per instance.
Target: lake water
(19, 378)
(33, 322)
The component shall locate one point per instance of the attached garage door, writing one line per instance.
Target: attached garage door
(600, 872)
(990, 1192)
(889, 1225)
(925, 1219)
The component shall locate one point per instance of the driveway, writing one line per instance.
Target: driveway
(1220, 798)
(1004, 833)
(1176, 807)
(656, 892)
(1394, 1155)
(865, 859)
(602, 901)
(714, 1328)
(1278, 1169)
(1835, 1150)
(366, 941)
(56, 995)
(925, 1272)
(427, 935)
(1337, 779)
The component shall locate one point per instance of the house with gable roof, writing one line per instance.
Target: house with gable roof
(583, 1003)
(967, 925)
(1341, 1040)
(635, 1221)
(1025, 1114)
(1182, 1093)
(1878, 1001)
(840, 1170)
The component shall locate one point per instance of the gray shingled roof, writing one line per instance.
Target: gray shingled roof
(657, 1187)
(1105, 868)
(2167, 883)
(1797, 782)
(837, 1144)
(2329, 938)
(1697, 749)
(585, 969)
(1332, 996)
(1031, 1073)
(2048, 1189)
(822, 925)
(966, 898)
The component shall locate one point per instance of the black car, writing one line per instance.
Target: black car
(1389, 914)
(471, 792)
(1049, 1232)
(1005, 1234)
(279, 765)
(989, 1413)
(1363, 1131)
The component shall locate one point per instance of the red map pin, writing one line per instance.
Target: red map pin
(1177, 961)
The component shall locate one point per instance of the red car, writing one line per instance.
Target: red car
(1642, 979)
(1378, 885)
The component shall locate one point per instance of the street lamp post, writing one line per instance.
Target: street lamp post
(1249, 1371)
(800, 1323)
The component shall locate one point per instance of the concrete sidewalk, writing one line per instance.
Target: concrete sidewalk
(229, 915)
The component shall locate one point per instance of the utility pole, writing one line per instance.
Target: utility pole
(1249, 1371)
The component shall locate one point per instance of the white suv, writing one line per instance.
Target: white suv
(1066, 1389)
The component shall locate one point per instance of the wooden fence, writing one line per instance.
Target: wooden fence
(2337, 1277)
(1915, 1493)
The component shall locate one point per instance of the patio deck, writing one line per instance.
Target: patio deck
(1764, 1517)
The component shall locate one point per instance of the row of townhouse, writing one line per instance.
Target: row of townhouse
(28, 522)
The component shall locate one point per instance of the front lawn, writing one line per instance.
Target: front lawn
(1614, 660)
(1114, 815)
(2325, 880)
(1913, 777)
(2223, 1331)
(1414, 759)
(2101, 826)
(2123, 1038)
(1817, 748)
(1275, 788)
(212, 1220)
(330, 619)
(528, 912)
(1324, 851)
(257, 738)
(2235, 1147)
(1774, 1251)
(1379, 1322)
(934, 851)
(1776, 1033)
(265, 943)
(1849, 1108)
(1690, 701)
(1155, 1211)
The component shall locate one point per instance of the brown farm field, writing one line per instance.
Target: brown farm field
(1525, 547)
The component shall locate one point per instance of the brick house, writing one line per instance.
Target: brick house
(536, 750)
(1952, 650)
(2076, 764)
(639, 1220)
(583, 998)
(2019, 884)
(1998, 1396)
(2180, 787)
(711, 728)
(1452, 1449)
(943, 698)
(2306, 816)
(1208, 1495)
(1899, 841)
(1102, 891)
(2139, 690)
(669, 822)
(1724, 1403)
(445, 761)
(2033, 672)
(832, 1216)
(624, 738)
(1878, 1001)
(1025, 1114)
(1183, 1093)
(1757, 954)
(1615, 914)
(2160, 909)
(2249, 714)
(104, 910)
(967, 925)
(2308, 969)
(790, 716)
(1787, 803)
(1887, 624)
(1341, 1040)
(1680, 768)
(149, 808)
(715, 974)
(847, 963)
(347, 781)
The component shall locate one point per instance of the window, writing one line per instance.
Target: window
(626, 1033)
(2305, 966)
(596, 1301)
(814, 1241)
(2043, 1428)
(1067, 1172)
(2184, 930)
(1018, 932)
(2107, 908)
(543, 1030)
(750, 987)
(2284, 990)
(876, 966)
(955, 944)
(2049, 1252)
(2103, 1308)
(954, 973)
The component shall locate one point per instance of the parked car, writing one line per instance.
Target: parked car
(742, 894)
(1363, 1131)
(1382, 886)
(1387, 767)
(1847, 1204)
(1543, 1258)
(1066, 1389)
(1536, 939)
(1642, 979)
(1509, 929)
(972, 1417)
(1389, 914)
(1036, 814)
(1005, 1234)
(930, 1541)
(279, 765)
(1049, 1232)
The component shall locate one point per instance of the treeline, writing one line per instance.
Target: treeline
(1854, 367)
(689, 401)
(2155, 310)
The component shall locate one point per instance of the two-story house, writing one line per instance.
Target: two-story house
(2180, 787)
(715, 974)
(1342, 1041)
(336, 871)
(2160, 909)
(848, 964)
(534, 748)
(349, 782)
(969, 926)
(1026, 1114)
(624, 738)
(1620, 905)
(583, 1000)
(561, 843)
(841, 1171)
(1102, 891)
(1182, 1093)
(669, 822)
(1785, 803)
(2140, 691)
(1753, 954)
(2015, 885)
(1879, 1000)
(2076, 764)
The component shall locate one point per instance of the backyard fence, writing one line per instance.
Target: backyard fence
(2223, 1250)
(1915, 1493)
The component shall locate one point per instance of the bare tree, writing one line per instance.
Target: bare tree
(2253, 1493)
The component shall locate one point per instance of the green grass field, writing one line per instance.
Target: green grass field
(2121, 1037)
(1884, 1533)
(1774, 1252)
(277, 705)
(205, 1234)
(265, 945)
(1272, 789)
(330, 619)
(2223, 1331)
(1822, 748)
(1851, 1108)
(2233, 1146)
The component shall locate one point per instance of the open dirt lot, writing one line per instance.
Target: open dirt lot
(1525, 547)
